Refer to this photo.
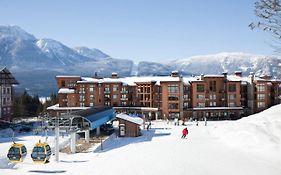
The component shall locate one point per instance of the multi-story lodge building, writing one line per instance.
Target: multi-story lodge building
(212, 96)
(6, 93)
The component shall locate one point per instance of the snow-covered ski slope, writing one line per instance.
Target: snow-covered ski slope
(220, 148)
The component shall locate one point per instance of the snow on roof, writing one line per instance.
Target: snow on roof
(67, 76)
(135, 120)
(56, 107)
(66, 91)
(187, 80)
(213, 76)
(88, 80)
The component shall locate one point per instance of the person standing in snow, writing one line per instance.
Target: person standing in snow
(205, 121)
(184, 133)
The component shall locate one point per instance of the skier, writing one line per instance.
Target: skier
(184, 133)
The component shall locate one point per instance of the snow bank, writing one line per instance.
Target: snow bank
(259, 132)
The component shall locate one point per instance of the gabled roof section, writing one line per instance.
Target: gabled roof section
(6, 77)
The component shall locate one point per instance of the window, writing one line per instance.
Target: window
(173, 106)
(232, 88)
(200, 96)
(107, 97)
(107, 103)
(124, 97)
(173, 88)
(4, 90)
(8, 90)
(115, 87)
(82, 104)
(106, 89)
(200, 88)
(185, 97)
(91, 104)
(261, 104)
(213, 96)
(185, 105)
(213, 86)
(173, 98)
(92, 98)
(231, 96)
(200, 105)
(92, 88)
(186, 89)
(213, 103)
(62, 83)
(124, 90)
(82, 89)
(82, 98)
(261, 96)
(115, 96)
(71, 84)
(261, 87)
(231, 104)
(123, 103)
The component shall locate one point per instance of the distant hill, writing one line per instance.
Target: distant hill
(36, 62)
(218, 63)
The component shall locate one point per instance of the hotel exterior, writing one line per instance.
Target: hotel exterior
(167, 97)
(6, 94)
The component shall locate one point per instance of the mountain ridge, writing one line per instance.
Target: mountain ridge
(23, 52)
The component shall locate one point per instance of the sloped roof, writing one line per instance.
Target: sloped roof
(136, 120)
(6, 77)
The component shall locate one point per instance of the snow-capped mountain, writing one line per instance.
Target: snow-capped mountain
(15, 32)
(20, 51)
(218, 63)
(32, 59)
(24, 54)
(65, 55)
(91, 53)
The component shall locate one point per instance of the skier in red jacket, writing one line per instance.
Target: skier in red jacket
(184, 133)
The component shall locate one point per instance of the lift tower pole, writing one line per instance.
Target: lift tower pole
(57, 131)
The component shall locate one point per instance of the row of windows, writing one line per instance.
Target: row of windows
(213, 103)
(213, 87)
(6, 90)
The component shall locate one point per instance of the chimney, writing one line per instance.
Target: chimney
(251, 77)
(114, 75)
(225, 75)
(202, 77)
(238, 73)
(175, 73)
(95, 75)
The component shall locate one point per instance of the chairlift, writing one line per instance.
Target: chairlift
(16, 153)
(41, 153)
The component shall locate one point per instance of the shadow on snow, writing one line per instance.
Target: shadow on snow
(116, 142)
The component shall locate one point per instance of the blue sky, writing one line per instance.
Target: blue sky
(151, 30)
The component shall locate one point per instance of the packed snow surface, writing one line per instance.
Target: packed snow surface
(244, 147)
